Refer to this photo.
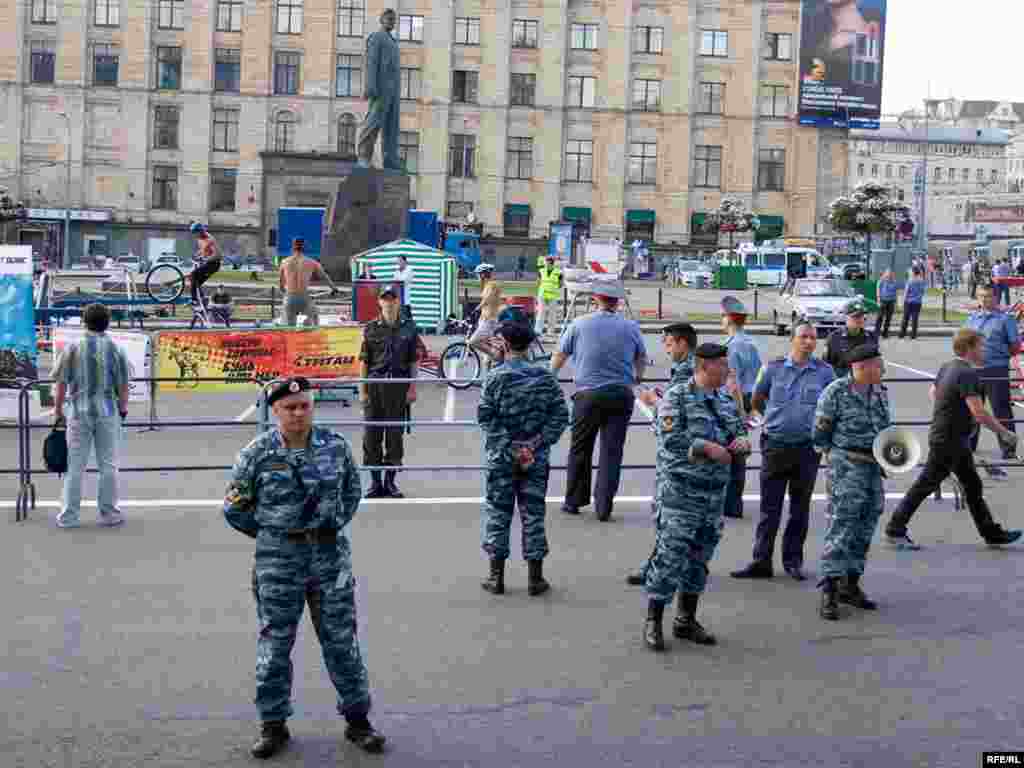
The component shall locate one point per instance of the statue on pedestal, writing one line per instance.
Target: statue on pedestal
(383, 89)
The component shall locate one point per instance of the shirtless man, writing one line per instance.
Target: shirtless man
(297, 271)
(207, 258)
(491, 303)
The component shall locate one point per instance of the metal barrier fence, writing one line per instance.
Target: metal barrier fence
(23, 427)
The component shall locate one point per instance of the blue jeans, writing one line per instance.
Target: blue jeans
(85, 431)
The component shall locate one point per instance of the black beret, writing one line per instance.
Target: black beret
(517, 335)
(275, 390)
(709, 350)
(861, 353)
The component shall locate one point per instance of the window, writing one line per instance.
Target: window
(225, 130)
(524, 33)
(581, 91)
(289, 17)
(351, 18)
(44, 11)
(778, 46)
(165, 128)
(707, 170)
(874, 170)
(464, 86)
(965, 175)
(648, 39)
(938, 174)
(583, 37)
(980, 176)
(168, 68)
(227, 70)
(170, 15)
(524, 88)
(860, 169)
(229, 15)
(410, 80)
(643, 163)
(284, 132)
(774, 101)
(350, 76)
(647, 95)
(995, 176)
(902, 172)
(519, 161)
(457, 210)
(467, 31)
(461, 156)
(579, 161)
(517, 221)
(410, 28)
(107, 13)
(888, 171)
(711, 98)
(165, 187)
(347, 135)
(771, 170)
(42, 60)
(409, 150)
(105, 58)
(899, 195)
(286, 72)
(222, 189)
(714, 42)
(865, 60)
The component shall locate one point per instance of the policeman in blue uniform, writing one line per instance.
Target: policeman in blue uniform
(294, 489)
(699, 431)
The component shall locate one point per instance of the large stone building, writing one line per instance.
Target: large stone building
(631, 117)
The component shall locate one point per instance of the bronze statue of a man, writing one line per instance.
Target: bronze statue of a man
(383, 87)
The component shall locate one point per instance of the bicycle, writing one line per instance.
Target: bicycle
(460, 361)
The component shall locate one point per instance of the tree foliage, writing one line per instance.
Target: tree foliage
(732, 216)
(869, 209)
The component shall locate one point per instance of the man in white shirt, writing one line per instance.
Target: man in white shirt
(404, 274)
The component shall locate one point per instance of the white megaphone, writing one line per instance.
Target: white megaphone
(896, 450)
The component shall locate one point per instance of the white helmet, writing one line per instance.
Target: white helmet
(484, 268)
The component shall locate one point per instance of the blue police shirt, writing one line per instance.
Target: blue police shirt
(914, 293)
(744, 359)
(603, 347)
(1000, 332)
(792, 391)
(887, 290)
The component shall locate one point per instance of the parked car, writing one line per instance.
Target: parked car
(695, 273)
(254, 264)
(822, 301)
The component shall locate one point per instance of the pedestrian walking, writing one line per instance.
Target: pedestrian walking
(886, 295)
(1001, 270)
(91, 376)
(520, 266)
(744, 364)
(958, 410)
(608, 358)
(391, 347)
(522, 413)
(549, 288)
(850, 414)
(846, 339)
(913, 298)
(699, 432)
(1002, 342)
(294, 489)
(787, 393)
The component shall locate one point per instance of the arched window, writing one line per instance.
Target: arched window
(284, 131)
(347, 135)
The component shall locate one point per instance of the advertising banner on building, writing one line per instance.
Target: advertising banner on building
(841, 56)
(135, 345)
(18, 353)
(255, 356)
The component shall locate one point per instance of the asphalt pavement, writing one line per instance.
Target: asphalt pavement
(136, 646)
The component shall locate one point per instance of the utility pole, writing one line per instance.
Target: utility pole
(65, 257)
(923, 233)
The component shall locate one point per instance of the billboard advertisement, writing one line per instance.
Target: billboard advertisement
(842, 49)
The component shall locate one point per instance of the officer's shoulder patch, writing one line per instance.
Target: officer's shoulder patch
(233, 496)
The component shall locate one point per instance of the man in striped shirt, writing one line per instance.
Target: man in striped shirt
(92, 376)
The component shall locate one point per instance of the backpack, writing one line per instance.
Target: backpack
(55, 450)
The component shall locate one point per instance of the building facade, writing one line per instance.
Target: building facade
(632, 118)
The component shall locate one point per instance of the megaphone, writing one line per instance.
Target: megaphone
(896, 450)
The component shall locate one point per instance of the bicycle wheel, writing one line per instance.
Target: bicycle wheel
(165, 283)
(459, 361)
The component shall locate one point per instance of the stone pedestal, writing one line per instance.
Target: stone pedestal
(370, 208)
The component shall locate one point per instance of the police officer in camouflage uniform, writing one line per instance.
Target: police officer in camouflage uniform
(294, 489)
(522, 413)
(699, 430)
(851, 412)
(679, 340)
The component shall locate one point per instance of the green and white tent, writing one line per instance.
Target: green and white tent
(432, 292)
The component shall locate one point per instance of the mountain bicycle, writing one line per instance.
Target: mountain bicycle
(462, 366)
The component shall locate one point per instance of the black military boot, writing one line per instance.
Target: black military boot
(686, 626)
(377, 489)
(829, 606)
(361, 733)
(654, 637)
(390, 488)
(495, 583)
(851, 593)
(536, 583)
(273, 736)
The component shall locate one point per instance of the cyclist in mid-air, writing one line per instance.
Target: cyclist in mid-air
(207, 259)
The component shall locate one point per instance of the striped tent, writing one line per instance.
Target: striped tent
(432, 293)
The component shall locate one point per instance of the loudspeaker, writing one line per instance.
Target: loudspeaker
(896, 450)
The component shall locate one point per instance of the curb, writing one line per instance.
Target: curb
(649, 327)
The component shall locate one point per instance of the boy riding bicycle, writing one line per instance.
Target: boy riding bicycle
(208, 260)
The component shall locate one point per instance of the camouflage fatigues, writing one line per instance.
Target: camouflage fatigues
(691, 488)
(845, 426)
(264, 501)
(521, 404)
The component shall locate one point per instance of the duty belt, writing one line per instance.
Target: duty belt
(704, 485)
(313, 535)
(858, 455)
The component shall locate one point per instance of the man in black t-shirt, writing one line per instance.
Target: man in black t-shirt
(959, 407)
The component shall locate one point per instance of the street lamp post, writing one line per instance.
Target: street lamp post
(65, 257)
(923, 233)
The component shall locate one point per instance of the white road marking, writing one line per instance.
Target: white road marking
(247, 413)
(449, 404)
(931, 376)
